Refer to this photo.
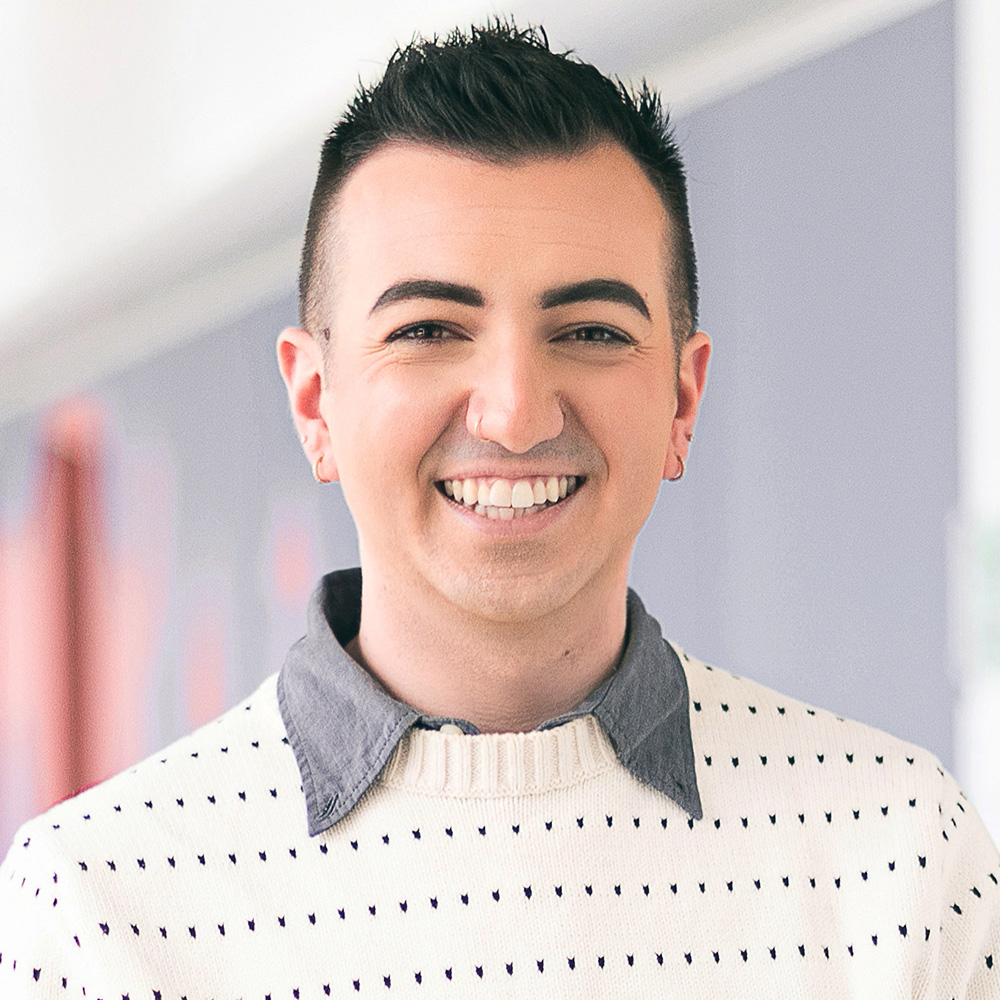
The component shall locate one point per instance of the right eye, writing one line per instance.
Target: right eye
(420, 332)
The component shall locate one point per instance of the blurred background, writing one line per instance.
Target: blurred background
(837, 535)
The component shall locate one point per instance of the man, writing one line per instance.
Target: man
(483, 772)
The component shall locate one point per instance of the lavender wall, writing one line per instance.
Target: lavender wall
(807, 545)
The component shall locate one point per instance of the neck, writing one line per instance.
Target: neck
(501, 676)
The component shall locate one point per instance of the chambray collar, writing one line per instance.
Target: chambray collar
(343, 726)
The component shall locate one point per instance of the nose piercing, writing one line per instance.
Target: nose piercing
(475, 431)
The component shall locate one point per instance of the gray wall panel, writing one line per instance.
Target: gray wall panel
(807, 545)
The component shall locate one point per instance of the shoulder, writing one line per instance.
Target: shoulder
(726, 706)
(166, 802)
(852, 807)
(824, 778)
(85, 885)
(752, 741)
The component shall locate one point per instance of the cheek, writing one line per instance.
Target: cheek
(380, 430)
(631, 422)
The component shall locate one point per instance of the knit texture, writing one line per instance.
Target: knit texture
(832, 861)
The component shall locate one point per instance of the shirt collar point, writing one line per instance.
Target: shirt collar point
(332, 812)
(693, 807)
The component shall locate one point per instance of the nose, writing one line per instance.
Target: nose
(514, 401)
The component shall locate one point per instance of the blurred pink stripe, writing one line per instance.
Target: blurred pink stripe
(68, 626)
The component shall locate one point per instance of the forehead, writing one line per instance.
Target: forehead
(411, 211)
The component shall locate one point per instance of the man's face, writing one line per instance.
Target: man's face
(526, 305)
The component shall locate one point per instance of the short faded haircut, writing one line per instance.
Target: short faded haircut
(499, 93)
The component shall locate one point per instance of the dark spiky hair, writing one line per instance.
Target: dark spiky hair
(499, 93)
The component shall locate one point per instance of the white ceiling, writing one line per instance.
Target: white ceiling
(158, 158)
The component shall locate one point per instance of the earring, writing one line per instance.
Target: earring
(689, 436)
(302, 439)
(316, 474)
(680, 475)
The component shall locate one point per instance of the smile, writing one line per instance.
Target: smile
(506, 499)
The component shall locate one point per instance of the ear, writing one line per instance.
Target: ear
(301, 361)
(691, 375)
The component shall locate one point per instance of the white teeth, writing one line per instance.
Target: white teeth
(505, 498)
(521, 495)
(500, 493)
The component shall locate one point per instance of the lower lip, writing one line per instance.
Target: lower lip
(516, 526)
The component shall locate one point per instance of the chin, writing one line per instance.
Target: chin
(510, 598)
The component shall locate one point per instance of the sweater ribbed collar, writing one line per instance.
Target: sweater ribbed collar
(344, 727)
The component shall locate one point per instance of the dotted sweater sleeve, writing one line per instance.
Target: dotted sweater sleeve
(38, 956)
(969, 902)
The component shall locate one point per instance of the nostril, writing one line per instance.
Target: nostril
(517, 425)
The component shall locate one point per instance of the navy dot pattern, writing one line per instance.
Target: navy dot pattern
(830, 858)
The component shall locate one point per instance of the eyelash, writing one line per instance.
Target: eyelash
(408, 333)
(612, 336)
(609, 336)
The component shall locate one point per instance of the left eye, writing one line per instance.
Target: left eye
(597, 335)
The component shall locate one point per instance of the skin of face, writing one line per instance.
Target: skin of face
(450, 324)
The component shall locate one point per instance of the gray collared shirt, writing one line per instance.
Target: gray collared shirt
(343, 726)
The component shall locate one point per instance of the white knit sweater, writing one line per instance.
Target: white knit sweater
(832, 861)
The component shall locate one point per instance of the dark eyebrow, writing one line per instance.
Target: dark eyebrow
(421, 288)
(595, 290)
